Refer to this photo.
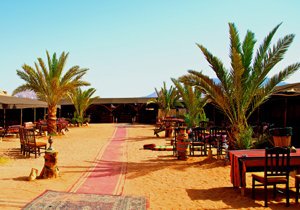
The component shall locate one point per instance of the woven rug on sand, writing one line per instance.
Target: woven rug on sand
(108, 172)
(63, 200)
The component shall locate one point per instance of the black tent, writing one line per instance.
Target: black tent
(9, 102)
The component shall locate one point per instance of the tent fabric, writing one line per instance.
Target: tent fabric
(9, 102)
(287, 90)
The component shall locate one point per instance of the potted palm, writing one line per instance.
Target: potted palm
(282, 136)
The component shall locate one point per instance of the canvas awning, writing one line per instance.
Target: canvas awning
(9, 102)
(287, 90)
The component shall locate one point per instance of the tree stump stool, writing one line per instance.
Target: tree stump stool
(50, 169)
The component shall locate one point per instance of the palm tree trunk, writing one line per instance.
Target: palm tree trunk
(51, 120)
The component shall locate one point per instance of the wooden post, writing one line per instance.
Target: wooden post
(21, 117)
(4, 117)
(285, 112)
(50, 169)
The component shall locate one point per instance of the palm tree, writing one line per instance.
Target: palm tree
(243, 87)
(166, 99)
(50, 84)
(192, 98)
(81, 101)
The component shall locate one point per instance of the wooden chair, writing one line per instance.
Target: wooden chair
(277, 169)
(205, 124)
(159, 128)
(198, 141)
(297, 177)
(31, 144)
(217, 139)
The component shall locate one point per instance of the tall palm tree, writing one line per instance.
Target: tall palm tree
(243, 87)
(82, 100)
(50, 84)
(192, 98)
(166, 99)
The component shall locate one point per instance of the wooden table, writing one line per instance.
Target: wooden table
(251, 160)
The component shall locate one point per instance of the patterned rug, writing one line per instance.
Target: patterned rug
(63, 200)
(107, 174)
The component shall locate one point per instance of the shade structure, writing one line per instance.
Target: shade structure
(9, 102)
(287, 90)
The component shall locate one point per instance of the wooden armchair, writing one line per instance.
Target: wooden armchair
(198, 141)
(159, 128)
(277, 169)
(31, 145)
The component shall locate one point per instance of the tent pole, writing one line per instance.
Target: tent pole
(285, 112)
(21, 115)
(4, 118)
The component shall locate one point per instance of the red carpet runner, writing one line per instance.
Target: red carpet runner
(107, 173)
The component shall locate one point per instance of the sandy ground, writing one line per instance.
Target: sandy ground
(168, 183)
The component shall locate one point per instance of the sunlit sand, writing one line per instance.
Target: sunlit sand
(168, 183)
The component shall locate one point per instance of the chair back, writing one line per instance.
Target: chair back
(30, 136)
(217, 133)
(277, 162)
(199, 134)
(205, 124)
(21, 135)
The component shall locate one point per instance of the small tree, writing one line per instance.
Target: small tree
(192, 98)
(82, 100)
(243, 87)
(166, 99)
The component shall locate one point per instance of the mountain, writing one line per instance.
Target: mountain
(152, 95)
(26, 94)
(268, 79)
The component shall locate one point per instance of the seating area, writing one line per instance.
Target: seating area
(276, 171)
(28, 142)
(201, 139)
(27, 135)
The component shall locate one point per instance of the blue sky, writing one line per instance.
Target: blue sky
(131, 47)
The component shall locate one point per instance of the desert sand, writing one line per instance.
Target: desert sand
(168, 183)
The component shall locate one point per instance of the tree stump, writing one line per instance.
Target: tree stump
(50, 169)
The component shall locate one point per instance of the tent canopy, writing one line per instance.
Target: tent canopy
(9, 102)
(287, 90)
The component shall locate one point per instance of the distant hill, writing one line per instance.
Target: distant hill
(152, 95)
(216, 80)
(26, 94)
(268, 79)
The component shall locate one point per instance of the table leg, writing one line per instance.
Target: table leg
(243, 191)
